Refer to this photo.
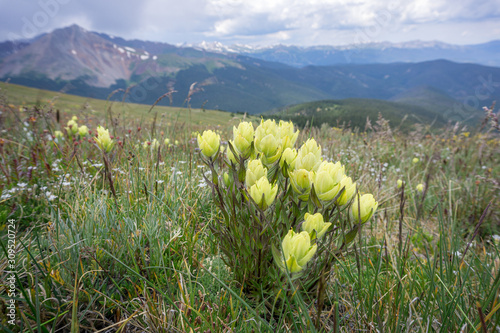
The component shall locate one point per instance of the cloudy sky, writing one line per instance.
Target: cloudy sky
(260, 22)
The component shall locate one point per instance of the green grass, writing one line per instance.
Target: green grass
(146, 260)
(95, 108)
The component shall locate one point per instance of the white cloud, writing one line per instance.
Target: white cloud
(305, 22)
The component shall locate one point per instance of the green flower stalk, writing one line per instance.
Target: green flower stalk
(103, 139)
(243, 138)
(287, 134)
(363, 208)
(268, 141)
(315, 225)
(263, 193)
(105, 143)
(301, 181)
(297, 251)
(349, 191)
(255, 171)
(209, 143)
(309, 156)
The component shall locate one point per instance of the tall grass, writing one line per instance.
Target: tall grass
(146, 260)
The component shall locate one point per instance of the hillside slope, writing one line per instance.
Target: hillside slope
(354, 112)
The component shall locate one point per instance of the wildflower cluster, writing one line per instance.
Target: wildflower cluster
(284, 209)
(104, 140)
(73, 130)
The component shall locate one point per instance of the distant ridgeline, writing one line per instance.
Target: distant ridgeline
(354, 112)
(80, 62)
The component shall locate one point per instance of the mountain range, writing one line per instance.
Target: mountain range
(91, 64)
(364, 53)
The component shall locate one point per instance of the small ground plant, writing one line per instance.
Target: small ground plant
(276, 204)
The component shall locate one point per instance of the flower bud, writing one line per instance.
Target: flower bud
(72, 127)
(209, 143)
(83, 130)
(268, 142)
(315, 222)
(104, 140)
(326, 189)
(255, 171)
(399, 183)
(415, 160)
(289, 155)
(243, 137)
(263, 193)
(327, 179)
(496, 239)
(363, 209)
(301, 181)
(349, 191)
(167, 141)
(297, 251)
(420, 188)
(335, 170)
(227, 179)
(287, 135)
(309, 156)
(154, 145)
(58, 134)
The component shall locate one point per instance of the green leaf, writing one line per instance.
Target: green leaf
(75, 328)
(314, 198)
(277, 257)
(272, 173)
(242, 172)
(351, 235)
(295, 209)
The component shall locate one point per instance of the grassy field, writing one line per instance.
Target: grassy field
(70, 105)
(124, 242)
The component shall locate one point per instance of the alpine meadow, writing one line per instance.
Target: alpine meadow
(161, 223)
(147, 187)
